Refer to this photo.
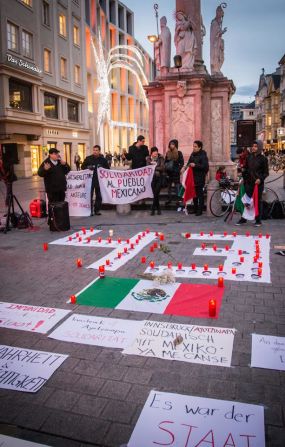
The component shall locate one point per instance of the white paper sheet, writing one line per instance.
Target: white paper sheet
(268, 352)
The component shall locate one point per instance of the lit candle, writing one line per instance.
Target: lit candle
(139, 237)
(73, 299)
(267, 236)
(187, 235)
(88, 240)
(211, 233)
(132, 246)
(127, 241)
(111, 233)
(227, 248)
(256, 242)
(161, 237)
(234, 234)
(247, 234)
(179, 265)
(260, 235)
(83, 230)
(257, 255)
(99, 239)
(79, 262)
(259, 272)
(255, 259)
(241, 259)
(193, 266)
(119, 254)
(125, 249)
(201, 233)
(155, 245)
(143, 234)
(212, 307)
(76, 234)
(45, 246)
(214, 247)
(221, 267)
(220, 282)
(240, 252)
(80, 239)
(147, 231)
(156, 233)
(91, 229)
(206, 267)
(151, 264)
(169, 265)
(70, 238)
(234, 270)
(109, 240)
(119, 240)
(101, 271)
(151, 249)
(225, 233)
(143, 260)
(107, 261)
(203, 246)
(260, 264)
(137, 241)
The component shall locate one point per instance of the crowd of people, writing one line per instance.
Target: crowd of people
(169, 170)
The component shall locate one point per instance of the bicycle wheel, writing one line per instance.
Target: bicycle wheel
(220, 202)
(269, 195)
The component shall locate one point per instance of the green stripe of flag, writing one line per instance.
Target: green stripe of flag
(106, 292)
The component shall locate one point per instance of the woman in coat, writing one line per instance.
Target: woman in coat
(156, 159)
(174, 162)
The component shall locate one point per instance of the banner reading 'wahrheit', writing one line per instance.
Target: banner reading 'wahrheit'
(121, 187)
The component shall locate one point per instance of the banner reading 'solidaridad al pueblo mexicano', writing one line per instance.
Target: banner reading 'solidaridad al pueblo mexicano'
(121, 187)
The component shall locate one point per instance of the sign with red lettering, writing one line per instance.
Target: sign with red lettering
(25, 317)
(25, 369)
(189, 421)
(122, 187)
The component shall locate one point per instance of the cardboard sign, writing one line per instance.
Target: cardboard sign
(8, 441)
(98, 331)
(25, 317)
(184, 342)
(122, 187)
(268, 352)
(27, 370)
(78, 192)
(189, 421)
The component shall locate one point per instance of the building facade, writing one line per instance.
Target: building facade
(48, 79)
(281, 129)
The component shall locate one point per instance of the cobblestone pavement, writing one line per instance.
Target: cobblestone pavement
(96, 396)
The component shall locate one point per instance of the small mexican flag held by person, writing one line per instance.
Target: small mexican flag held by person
(187, 191)
(247, 205)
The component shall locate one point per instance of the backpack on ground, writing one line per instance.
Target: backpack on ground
(277, 210)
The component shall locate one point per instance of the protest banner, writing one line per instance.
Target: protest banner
(184, 342)
(190, 421)
(268, 352)
(120, 187)
(25, 317)
(27, 370)
(8, 441)
(98, 331)
(78, 192)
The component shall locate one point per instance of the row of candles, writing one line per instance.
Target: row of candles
(225, 234)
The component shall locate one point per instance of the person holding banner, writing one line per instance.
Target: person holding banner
(93, 162)
(137, 153)
(156, 159)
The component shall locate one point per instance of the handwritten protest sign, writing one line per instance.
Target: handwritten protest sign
(78, 193)
(30, 318)
(25, 369)
(268, 352)
(198, 344)
(121, 187)
(189, 421)
(89, 330)
(8, 441)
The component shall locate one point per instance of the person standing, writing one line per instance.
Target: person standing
(199, 163)
(77, 161)
(137, 153)
(174, 162)
(93, 162)
(254, 173)
(53, 170)
(156, 159)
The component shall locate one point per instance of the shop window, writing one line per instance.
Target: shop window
(12, 37)
(46, 13)
(47, 60)
(27, 44)
(50, 106)
(62, 25)
(20, 95)
(73, 111)
(76, 35)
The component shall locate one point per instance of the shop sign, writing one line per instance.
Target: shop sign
(23, 64)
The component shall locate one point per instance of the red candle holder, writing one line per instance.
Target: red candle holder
(169, 265)
(234, 271)
(257, 255)
(260, 264)
(99, 239)
(255, 259)
(256, 242)
(91, 229)
(240, 252)
(151, 249)
(125, 249)
(156, 233)
(152, 264)
(193, 266)
(267, 236)
(107, 261)
(260, 235)
(211, 233)
(227, 248)
(139, 237)
(206, 267)
(203, 246)
(76, 234)
(119, 241)
(119, 254)
(214, 247)
(221, 267)
(73, 299)
(241, 259)
(212, 307)
(234, 234)
(70, 238)
(83, 230)
(101, 271)
(143, 234)
(247, 234)
(132, 246)
(137, 241)
(161, 237)
(147, 231)
(220, 282)
(179, 265)
(88, 240)
(143, 260)
(155, 245)
(201, 233)
(225, 233)
(45, 246)
(79, 262)
(259, 272)
(80, 239)
(187, 235)
(109, 240)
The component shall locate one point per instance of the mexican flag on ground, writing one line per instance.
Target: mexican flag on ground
(187, 191)
(247, 206)
(145, 296)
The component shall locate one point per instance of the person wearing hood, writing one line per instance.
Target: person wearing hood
(254, 173)
(174, 162)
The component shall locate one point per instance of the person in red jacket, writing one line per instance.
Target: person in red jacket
(221, 173)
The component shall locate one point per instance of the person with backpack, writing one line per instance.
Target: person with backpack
(199, 163)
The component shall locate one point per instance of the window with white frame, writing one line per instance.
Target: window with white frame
(76, 35)
(62, 25)
(12, 37)
(47, 60)
(77, 76)
(63, 68)
(27, 44)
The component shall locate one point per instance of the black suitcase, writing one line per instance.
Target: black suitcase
(58, 216)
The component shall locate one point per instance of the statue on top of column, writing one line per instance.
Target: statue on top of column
(162, 47)
(216, 40)
(184, 39)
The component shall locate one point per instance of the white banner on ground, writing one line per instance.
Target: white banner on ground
(121, 187)
(25, 317)
(8, 441)
(184, 421)
(268, 352)
(27, 370)
(78, 193)
(184, 342)
(98, 331)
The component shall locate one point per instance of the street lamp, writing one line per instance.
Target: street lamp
(152, 38)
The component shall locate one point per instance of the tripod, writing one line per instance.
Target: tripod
(10, 218)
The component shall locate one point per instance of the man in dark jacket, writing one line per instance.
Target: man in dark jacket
(53, 170)
(137, 153)
(199, 162)
(254, 173)
(93, 162)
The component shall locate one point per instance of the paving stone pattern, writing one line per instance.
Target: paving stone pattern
(96, 396)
